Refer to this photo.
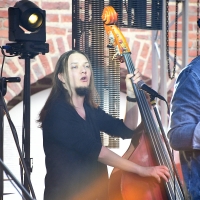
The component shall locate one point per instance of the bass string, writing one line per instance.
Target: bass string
(147, 117)
(154, 134)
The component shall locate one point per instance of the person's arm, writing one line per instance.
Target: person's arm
(185, 112)
(132, 112)
(196, 138)
(108, 157)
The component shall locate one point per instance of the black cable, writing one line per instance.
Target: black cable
(4, 55)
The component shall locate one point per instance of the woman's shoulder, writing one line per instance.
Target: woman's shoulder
(92, 109)
(99, 112)
(59, 104)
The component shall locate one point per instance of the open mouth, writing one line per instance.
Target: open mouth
(84, 78)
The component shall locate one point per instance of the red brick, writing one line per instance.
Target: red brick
(192, 53)
(51, 46)
(172, 27)
(140, 65)
(4, 33)
(22, 63)
(190, 59)
(135, 49)
(5, 4)
(123, 29)
(5, 24)
(61, 36)
(192, 35)
(179, 34)
(14, 87)
(123, 65)
(179, 52)
(69, 39)
(193, 1)
(55, 5)
(66, 18)
(8, 96)
(45, 64)
(143, 37)
(55, 30)
(172, 43)
(37, 71)
(172, 7)
(190, 44)
(5, 74)
(52, 18)
(12, 66)
(193, 18)
(149, 64)
(32, 78)
(170, 34)
(192, 27)
(4, 14)
(145, 51)
(22, 81)
(54, 61)
(60, 45)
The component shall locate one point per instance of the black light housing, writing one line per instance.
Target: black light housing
(198, 23)
(27, 22)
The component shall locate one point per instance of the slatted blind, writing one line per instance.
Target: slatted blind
(88, 35)
(139, 14)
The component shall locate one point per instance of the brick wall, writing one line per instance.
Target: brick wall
(59, 34)
(58, 29)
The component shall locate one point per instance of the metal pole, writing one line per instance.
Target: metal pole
(26, 119)
(185, 33)
(154, 60)
(1, 152)
(163, 69)
(9, 173)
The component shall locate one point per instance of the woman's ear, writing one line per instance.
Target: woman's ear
(61, 78)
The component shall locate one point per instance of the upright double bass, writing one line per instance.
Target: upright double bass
(151, 149)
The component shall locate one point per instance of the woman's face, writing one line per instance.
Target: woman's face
(79, 71)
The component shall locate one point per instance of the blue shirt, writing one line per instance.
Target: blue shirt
(184, 125)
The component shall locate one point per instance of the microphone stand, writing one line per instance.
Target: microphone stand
(153, 103)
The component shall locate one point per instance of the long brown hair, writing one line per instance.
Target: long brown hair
(58, 89)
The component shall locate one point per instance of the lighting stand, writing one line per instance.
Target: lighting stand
(26, 50)
(9, 173)
(4, 110)
(1, 152)
(3, 90)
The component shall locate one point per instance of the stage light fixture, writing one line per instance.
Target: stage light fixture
(27, 22)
